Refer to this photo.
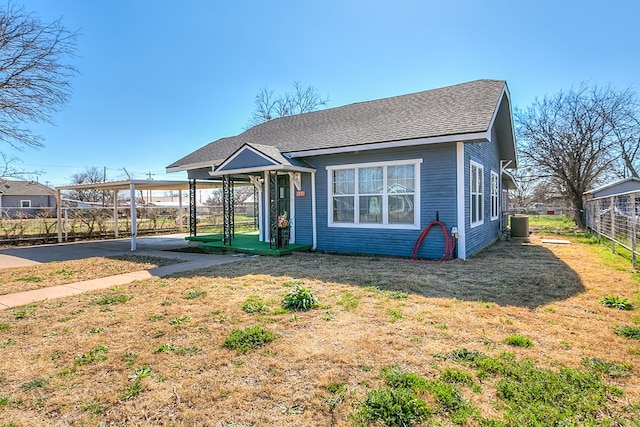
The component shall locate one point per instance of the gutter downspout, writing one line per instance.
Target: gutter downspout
(314, 232)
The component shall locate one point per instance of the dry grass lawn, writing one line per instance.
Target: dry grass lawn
(20, 279)
(151, 353)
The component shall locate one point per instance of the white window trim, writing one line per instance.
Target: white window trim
(494, 197)
(471, 194)
(416, 210)
(28, 203)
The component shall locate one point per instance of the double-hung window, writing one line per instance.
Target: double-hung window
(477, 194)
(373, 195)
(495, 190)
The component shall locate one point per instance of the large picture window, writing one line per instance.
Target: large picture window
(495, 191)
(477, 194)
(374, 195)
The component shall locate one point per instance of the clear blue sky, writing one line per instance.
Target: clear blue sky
(159, 79)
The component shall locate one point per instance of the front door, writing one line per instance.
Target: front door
(279, 209)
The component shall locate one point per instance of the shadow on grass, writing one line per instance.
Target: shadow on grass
(508, 273)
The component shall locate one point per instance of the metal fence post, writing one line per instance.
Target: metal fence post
(634, 222)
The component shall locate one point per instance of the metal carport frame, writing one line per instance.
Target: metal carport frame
(131, 185)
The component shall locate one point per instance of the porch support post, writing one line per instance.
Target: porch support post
(314, 233)
(227, 209)
(265, 228)
(192, 207)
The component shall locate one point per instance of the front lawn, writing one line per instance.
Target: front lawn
(517, 335)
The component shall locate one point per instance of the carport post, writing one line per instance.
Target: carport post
(59, 214)
(134, 226)
(115, 213)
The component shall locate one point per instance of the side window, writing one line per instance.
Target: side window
(477, 194)
(495, 200)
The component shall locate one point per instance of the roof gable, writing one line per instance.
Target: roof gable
(462, 111)
(246, 157)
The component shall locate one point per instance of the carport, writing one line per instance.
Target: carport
(132, 186)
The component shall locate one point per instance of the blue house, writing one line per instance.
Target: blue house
(370, 177)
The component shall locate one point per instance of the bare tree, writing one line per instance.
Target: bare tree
(570, 139)
(34, 77)
(300, 100)
(89, 175)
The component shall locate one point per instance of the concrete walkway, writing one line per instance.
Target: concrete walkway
(156, 246)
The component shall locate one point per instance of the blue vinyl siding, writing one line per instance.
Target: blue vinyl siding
(438, 197)
(303, 219)
(483, 235)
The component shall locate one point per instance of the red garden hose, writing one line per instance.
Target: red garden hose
(449, 242)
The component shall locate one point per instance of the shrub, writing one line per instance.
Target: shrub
(246, 339)
(300, 299)
(616, 302)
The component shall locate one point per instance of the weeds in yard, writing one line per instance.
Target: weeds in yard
(97, 354)
(177, 321)
(34, 383)
(518, 341)
(395, 315)
(4, 326)
(349, 300)
(193, 294)
(24, 311)
(618, 302)
(31, 279)
(300, 299)
(632, 332)
(254, 305)
(610, 368)
(111, 299)
(247, 339)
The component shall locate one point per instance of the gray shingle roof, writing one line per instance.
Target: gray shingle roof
(453, 110)
(24, 188)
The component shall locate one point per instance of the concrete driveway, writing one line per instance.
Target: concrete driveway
(158, 246)
(18, 256)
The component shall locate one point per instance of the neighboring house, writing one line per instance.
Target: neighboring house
(369, 177)
(626, 185)
(26, 194)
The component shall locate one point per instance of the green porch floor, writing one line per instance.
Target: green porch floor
(246, 243)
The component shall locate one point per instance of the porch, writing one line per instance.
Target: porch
(246, 243)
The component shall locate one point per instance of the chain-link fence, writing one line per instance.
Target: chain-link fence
(617, 218)
(40, 225)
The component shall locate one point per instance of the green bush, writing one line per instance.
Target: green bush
(246, 339)
(300, 299)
